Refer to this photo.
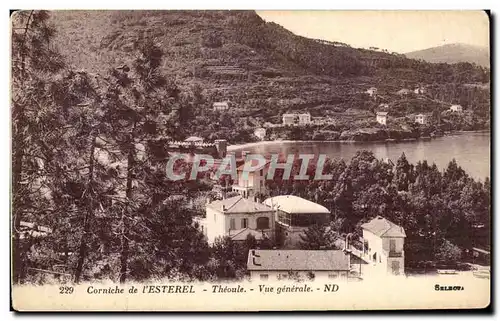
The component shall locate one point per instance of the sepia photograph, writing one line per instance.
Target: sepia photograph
(238, 160)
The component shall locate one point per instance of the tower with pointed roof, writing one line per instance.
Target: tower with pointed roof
(383, 245)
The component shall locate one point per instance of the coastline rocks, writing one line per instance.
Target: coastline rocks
(364, 134)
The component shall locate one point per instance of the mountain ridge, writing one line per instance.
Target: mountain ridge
(453, 53)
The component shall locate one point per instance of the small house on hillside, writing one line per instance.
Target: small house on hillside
(372, 91)
(304, 119)
(403, 92)
(382, 117)
(289, 119)
(421, 119)
(221, 106)
(296, 119)
(456, 108)
(384, 106)
(260, 133)
(419, 90)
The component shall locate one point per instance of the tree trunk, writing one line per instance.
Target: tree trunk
(125, 223)
(17, 170)
(89, 215)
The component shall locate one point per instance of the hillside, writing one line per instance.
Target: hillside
(262, 69)
(453, 53)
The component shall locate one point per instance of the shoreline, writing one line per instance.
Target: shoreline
(235, 147)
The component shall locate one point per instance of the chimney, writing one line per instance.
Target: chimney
(223, 207)
(244, 154)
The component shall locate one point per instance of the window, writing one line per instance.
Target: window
(262, 223)
(332, 275)
(244, 222)
(232, 224)
(261, 172)
(284, 218)
(392, 245)
(264, 277)
(282, 276)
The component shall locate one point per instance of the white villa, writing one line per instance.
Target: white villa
(260, 133)
(294, 215)
(296, 119)
(372, 91)
(304, 119)
(221, 106)
(403, 92)
(288, 119)
(250, 182)
(280, 265)
(456, 108)
(419, 90)
(421, 119)
(382, 250)
(382, 117)
(237, 217)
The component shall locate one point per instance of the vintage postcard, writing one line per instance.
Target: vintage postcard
(228, 160)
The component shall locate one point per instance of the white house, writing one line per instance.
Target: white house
(383, 248)
(237, 217)
(372, 91)
(251, 180)
(421, 119)
(304, 119)
(383, 106)
(419, 90)
(260, 133)
(382, 117)
(221, 106)
(281, 265)
(294, 215)
(404, 92)
(289, 119)
(296, 119)
(456, 108)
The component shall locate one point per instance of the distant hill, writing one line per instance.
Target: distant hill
(261, 68)
(453, 53)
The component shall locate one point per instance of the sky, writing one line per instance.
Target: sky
(399, 31)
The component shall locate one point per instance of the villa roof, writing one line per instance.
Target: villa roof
(384, 228)
(193, 139)
(382, 113)
(238, 204)
(404, 91)
(298, 260)
(295, 205)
